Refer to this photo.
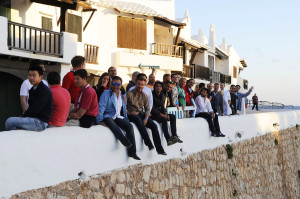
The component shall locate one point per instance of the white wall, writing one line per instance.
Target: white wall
(40, 159)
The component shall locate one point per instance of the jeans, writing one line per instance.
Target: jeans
(115, 125)
(86, 121)
(25, 123)
(160, 119)
(255, 105)
(139, 121)
(213, 123)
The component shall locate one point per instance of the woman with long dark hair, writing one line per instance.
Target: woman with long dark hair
(103, 84)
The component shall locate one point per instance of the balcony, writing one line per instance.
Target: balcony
(91, 53)
(32, 39)
(225, 79)
(167, 50)
(201, 72)
(215, 76)
(188, 71)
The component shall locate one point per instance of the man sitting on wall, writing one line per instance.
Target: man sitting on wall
(151, 80)
(112, 71)
(241, 96)
(168, 94)
(26, 85)
(132, 81)
(112, 113)
(69, 80)
(146, 90)
(61, 100)
(205, 111)
(38, 114)
(138, 111)
(86, 105)
(159, 114)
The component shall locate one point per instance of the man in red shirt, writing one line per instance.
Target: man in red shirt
(189, 92)
(61, 101)
(69, 81)
(86, 105)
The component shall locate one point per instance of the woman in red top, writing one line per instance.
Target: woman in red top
(103, 85)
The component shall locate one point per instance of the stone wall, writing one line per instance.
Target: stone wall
(263, 167)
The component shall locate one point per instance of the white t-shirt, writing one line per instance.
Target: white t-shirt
(26, 86)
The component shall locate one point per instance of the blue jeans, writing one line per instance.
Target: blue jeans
(25, 123)
(115, 125)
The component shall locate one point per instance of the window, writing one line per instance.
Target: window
(46, 23)
(211, 64)
(5, 9)
(234, 72)
(74, 25)
(132, 33)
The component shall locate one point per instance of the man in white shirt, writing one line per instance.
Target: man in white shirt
(205, 111)
(226, 100)
(26, 85)
(146, 90)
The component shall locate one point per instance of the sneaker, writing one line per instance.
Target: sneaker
(171, 141)
(134, 156)
(177, 139)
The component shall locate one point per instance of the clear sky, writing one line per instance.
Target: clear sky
(264, 32)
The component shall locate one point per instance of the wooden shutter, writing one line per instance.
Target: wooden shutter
(234, 72)
(132, 33)
(74, 25)
(46, 23)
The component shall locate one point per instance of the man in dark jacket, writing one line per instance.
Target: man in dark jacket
(216, 100)
(255, 102)
(159, 114)
(40, 101)
(234, 98)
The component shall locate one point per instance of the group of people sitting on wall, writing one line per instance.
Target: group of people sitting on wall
(47, 104)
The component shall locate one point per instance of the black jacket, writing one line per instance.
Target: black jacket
(158, 104)
(129, 85)
(217, 102)
(40, 103)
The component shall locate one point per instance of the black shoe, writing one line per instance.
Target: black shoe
(171, 141)
(134, 156)
(162, 152)
(151, 147)
(176, 138)
(219, 134)
(213, 135)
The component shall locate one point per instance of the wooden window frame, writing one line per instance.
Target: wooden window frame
(42, 25)
(234, 74)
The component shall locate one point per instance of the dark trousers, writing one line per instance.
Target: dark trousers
(213, 123)
(115, 125)
(164, 123)
(139, 122)
(255, 105)
(86, 121)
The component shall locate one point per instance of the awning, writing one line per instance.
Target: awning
(194, 44)
(221, 54)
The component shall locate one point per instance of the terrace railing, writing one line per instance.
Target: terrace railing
(201, 72)
(188, 71)
(167, 50)
(214, 76)
(91, 53)
(225, 79)
(32, 39)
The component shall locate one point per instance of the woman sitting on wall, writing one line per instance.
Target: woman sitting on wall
(103, 85)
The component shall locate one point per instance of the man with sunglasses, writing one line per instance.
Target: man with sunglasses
(138, 111)
(112, 113)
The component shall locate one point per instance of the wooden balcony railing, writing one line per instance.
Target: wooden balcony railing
(188, 71)
(202, 72)
(225, 79)
(167, 50)
(214, 76)
(91, 53)
(32, 39)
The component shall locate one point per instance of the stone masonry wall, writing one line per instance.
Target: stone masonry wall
(260, 168)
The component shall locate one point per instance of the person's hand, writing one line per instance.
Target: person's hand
(210, 98)
(183, 107)
(103, 124)
(251, 88)
(104, 83)
(213, 115)
(145, 121)
(168, 117)
(74, 116)
(134, 113)
(177, 108)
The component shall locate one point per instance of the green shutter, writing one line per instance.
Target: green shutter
(74, 25)
(46, 23)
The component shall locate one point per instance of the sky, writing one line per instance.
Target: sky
(266, 33)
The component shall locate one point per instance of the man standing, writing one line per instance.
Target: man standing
(38, 114)
(226, 100)
(233, 98)
(255, 102)
(112, 71)
(138, 111)
(189, 92)
(26, 85)
(86, 105)
(205, 111)
(69, 80)
(112, 113)
(217, 100)
(132, 81)
(174, 79)
(61, 100)
(241, 96)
